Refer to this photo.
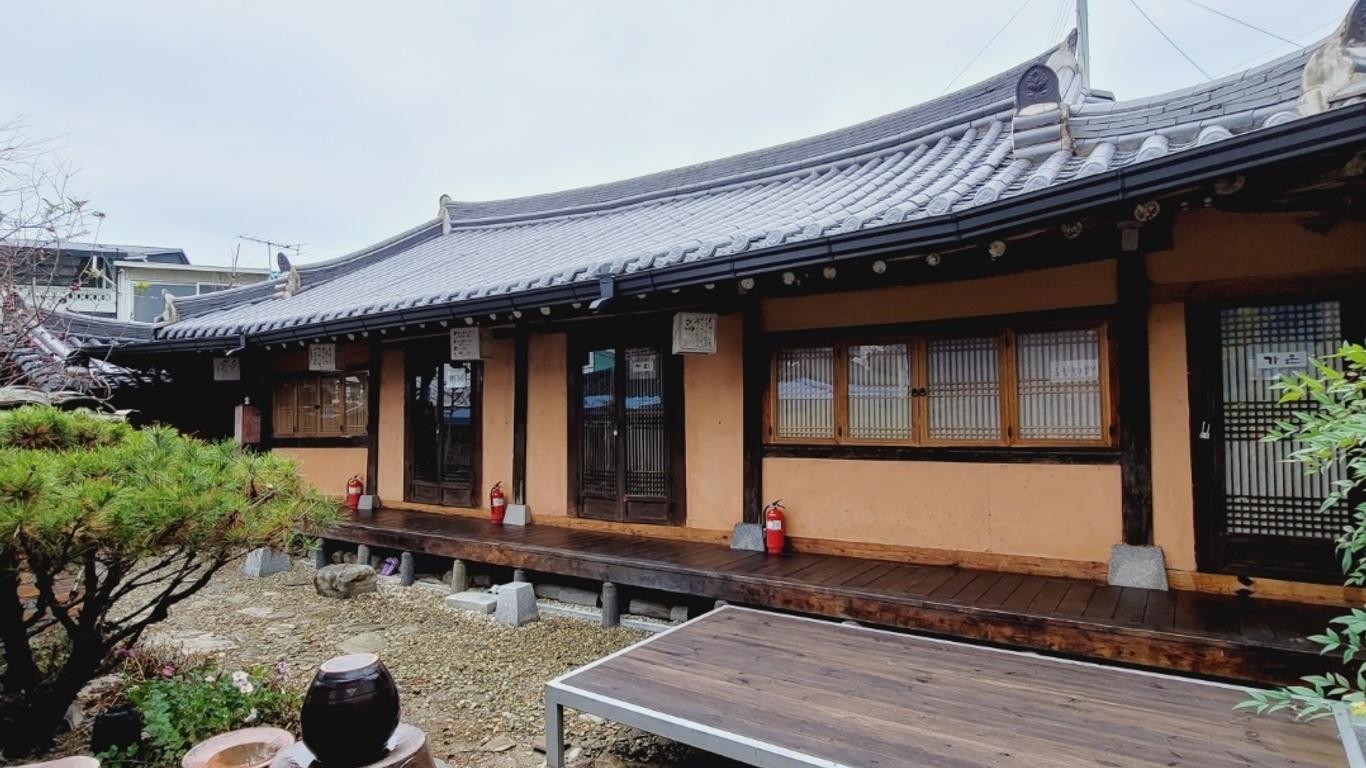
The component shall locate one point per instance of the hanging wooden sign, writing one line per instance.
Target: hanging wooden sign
(227, 369)
(694, 333)
(322, 357)
(470, 343)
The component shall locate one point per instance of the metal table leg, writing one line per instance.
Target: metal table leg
(554, 731)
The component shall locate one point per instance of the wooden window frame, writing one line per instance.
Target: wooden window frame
(917, 340)
(347, 434)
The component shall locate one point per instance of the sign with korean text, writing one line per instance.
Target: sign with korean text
(227, 369)
(1280, 360)
(694, 333)
(469, 343)
(1082, 369)
(322, 357)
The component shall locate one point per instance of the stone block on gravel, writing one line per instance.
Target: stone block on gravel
(572, 595)
(264, 561)
(345, 581)
(477, 602)
(516, 604)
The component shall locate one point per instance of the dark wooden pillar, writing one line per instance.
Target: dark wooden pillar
(1135, 426)
(754, 354)
(372, 418)
(520, 363)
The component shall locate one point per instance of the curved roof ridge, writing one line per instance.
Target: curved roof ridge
(992, 94)
(948, 130)
(1120, 105)
(311, 274)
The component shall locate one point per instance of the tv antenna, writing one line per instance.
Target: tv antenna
(272, 247)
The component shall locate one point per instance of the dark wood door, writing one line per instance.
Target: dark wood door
(1258, 513)
(444, 419)
(625, 432)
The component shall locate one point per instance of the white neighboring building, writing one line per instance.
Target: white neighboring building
(116, 281)
(139, 284)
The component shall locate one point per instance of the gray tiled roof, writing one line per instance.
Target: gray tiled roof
(963, 150)
(41, 354)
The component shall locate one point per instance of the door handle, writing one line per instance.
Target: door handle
(1204, 430)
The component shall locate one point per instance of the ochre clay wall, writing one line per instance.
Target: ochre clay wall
(547, 444)
(712, 414)
(328, 468)
(1047, 511)
(1046, 518)
(1077, 286)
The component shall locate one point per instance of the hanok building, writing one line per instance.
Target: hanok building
(974, 346)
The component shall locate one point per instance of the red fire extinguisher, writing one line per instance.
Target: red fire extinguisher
(354, 488)
(498, 504)
(775, 528)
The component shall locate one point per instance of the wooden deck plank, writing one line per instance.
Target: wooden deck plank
(861, 697)
(1222, 636)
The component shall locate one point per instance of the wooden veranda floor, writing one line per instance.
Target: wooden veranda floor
(779, 691)
(1227, 637)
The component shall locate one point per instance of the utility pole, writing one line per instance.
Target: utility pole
(1084, 39)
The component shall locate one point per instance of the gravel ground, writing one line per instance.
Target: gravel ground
(474, 686)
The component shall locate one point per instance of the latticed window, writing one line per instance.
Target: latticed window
(805, 387)
(1010, 386)
(321, 405)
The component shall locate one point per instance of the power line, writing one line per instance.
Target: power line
(1311, 31)
(1168, 38)
(984, 48)
(1237, 20)
(1059, 24)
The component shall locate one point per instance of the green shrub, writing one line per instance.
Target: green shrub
(116, 525)
(1330, 433)
(183, 706)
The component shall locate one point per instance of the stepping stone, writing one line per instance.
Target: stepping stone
(476, 602)
(516, 604)
(264, 561)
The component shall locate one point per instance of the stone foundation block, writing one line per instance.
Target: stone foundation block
(516, 604)
(263, 561)
(475, 602)
(1132, 566)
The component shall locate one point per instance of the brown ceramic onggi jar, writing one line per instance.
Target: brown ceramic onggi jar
(350, 711)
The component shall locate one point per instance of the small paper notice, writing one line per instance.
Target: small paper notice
(1268, 360)
(1072, 370)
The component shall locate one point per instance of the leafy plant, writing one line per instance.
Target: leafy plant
(181, 706)
(1330, 434)
(114, 526)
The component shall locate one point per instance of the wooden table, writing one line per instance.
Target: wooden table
(775, 690)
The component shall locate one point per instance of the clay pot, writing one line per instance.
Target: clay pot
(350, 711)
(245, 748)
(117, 727)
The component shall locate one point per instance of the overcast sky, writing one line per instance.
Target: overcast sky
(336, 124)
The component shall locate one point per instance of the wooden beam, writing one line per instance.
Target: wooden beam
(755, 380)
(1135, 429)
(372, 418)
(520, 363)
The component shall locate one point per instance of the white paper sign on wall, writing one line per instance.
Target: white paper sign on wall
(468, 343)
(322, 357)
(694, 333)
(227, 369)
